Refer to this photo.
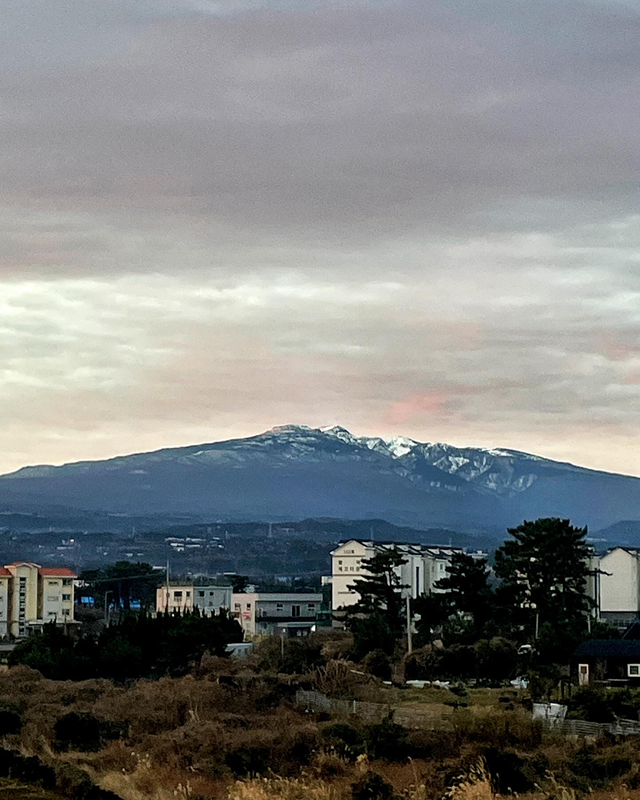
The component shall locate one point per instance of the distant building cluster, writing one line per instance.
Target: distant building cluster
(259, 613)
(613, 584)
(31, 596)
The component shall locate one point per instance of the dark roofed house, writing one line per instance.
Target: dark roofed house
(608, 661)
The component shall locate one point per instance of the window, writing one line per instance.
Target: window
(295, 611)
(188, 594)
(311, 607)
(66, 582)
(279, 607)
(633, 670)
(53, 598)
(248, 606)
(177, 595)
(53, 583)
(339, 562)
(66, 597)
(236, 607)
(210, 594)
(66, 612)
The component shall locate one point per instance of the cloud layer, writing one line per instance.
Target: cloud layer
(411, 217)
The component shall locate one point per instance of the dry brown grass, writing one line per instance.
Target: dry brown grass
(194, 737)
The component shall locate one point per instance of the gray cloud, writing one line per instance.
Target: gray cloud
(397, 216)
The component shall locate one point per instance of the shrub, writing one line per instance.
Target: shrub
(600, 769)
(372, 787)
(76, 731)
(590, 704)
(10, 722)
(248, 760)
(507, 772)
(293, 656)
(346, 740)
(423, 664)
(387, 740)
(378, 663)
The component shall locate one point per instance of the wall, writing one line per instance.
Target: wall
(619, 589)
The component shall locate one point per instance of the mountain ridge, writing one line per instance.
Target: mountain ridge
(301, 471)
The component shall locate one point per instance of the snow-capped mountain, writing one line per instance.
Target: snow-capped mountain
(295, 471)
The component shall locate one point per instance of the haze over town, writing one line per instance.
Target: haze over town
(403, 217)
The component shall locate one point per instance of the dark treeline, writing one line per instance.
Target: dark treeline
(139, 646)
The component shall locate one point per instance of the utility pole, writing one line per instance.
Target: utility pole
(409, 632)
(106, 606)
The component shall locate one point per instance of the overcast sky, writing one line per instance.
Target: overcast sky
(403, 217)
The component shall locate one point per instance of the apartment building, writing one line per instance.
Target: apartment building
(276, 613)
(31, 595)
(424, 566)
(206, 594)
(618, 586)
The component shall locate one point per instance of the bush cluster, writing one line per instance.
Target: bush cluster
(140, 646)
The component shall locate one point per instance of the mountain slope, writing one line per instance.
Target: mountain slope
(296, 472)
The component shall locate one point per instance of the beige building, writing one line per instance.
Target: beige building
(206, 594)
(31, 595)
(424, 566)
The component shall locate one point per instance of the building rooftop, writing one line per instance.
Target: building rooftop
(609, 648)
(57, 572)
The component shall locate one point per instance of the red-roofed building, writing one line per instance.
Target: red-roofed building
(31, 595)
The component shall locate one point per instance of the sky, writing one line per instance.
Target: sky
(405, 217)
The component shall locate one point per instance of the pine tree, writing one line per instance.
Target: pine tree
(466, 589)
(377, 619)
(544, 571)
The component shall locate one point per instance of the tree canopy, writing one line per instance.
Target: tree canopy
(139, 646)
(544, 571)
(124, 581)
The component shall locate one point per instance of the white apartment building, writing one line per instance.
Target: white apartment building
(424, 566)
(206, 594)
(31, 595)
(276, 613)
(618, 586)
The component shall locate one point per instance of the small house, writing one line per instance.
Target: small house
(608, 661)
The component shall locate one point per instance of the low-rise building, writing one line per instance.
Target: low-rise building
(614, 661)
(206, 594)
(269, 613)
(31, 596)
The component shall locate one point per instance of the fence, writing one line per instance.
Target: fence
(578, 727)
(373, 712)
(411, 718)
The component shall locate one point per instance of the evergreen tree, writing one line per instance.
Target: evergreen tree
(381, 591)
(466, 589)
(377, 619)
(124, 581)
(544, 571)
